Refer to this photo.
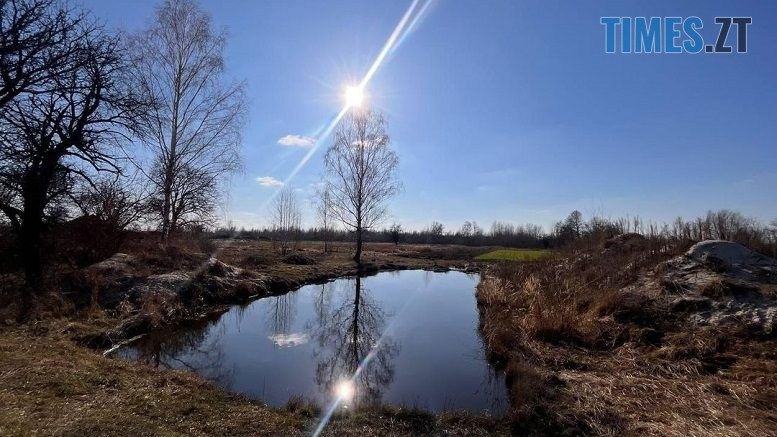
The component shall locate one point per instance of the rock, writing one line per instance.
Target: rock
(732, 258)
(691, 304)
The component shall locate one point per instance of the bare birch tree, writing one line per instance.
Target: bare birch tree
(194, 129)
(286, 220)
(324, 214)
(362, 172)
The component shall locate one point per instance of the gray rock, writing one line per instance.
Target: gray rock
(732, 258)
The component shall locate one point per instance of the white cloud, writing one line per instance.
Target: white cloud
(297, 141)
(269, 181)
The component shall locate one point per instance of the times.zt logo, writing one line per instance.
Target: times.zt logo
(672, 34)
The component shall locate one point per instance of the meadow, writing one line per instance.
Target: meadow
(514, 255)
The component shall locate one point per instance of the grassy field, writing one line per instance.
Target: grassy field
(514, 255)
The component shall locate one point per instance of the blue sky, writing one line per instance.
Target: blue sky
(507, 110)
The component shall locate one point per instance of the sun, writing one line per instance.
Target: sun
(345, 390)
(354, 96)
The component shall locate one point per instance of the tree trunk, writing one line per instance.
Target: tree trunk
(166, 209)
(29, 242)
(358, 256)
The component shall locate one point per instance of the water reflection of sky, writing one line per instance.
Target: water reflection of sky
(418, 328)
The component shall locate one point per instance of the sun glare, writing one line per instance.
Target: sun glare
(345, 390)
(354, 96)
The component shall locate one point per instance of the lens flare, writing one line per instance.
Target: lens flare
(345, 390)
(354, 96)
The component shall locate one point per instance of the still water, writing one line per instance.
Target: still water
(402, 338)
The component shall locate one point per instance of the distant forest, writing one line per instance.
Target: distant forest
(722, 225)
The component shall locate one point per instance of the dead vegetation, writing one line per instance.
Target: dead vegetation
(49, 386)
(599, 341)
(149, 285)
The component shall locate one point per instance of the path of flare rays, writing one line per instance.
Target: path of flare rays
(406, 25)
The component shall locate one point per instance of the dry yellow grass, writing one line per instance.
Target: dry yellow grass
(49, 386)
(593, 373)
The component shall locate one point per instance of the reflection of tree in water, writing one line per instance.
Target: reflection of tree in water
(281, 313)
(323, 300)
(196, 348)
(346, 333)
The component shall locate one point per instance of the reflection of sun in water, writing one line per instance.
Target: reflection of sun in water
(354, 96)
(345, 390)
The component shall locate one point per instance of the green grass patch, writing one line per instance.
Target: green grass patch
(514, 255)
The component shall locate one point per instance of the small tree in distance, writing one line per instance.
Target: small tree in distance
(324, 214)
(287, 219)
(396, 232)
(362, 172)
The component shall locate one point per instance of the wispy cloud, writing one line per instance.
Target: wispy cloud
(297, 141)
(269, 181)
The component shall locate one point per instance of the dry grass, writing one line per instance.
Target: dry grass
(49, 386)
(584, 355)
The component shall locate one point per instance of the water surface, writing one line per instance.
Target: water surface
(410, 338)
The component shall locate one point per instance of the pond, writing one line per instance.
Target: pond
(407, 338)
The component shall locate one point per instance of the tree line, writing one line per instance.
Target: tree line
(722, 224)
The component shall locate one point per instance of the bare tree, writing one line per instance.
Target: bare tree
(466, 229)
(194, 128)
(324, 214)
(67, 128)
(35, 44)
(361, 168)
(286, 220)
(193, 197)
(117, 201)
(396, 233)
(436, 231)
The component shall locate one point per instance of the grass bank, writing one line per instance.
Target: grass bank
(600, 341)
(50, 386)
